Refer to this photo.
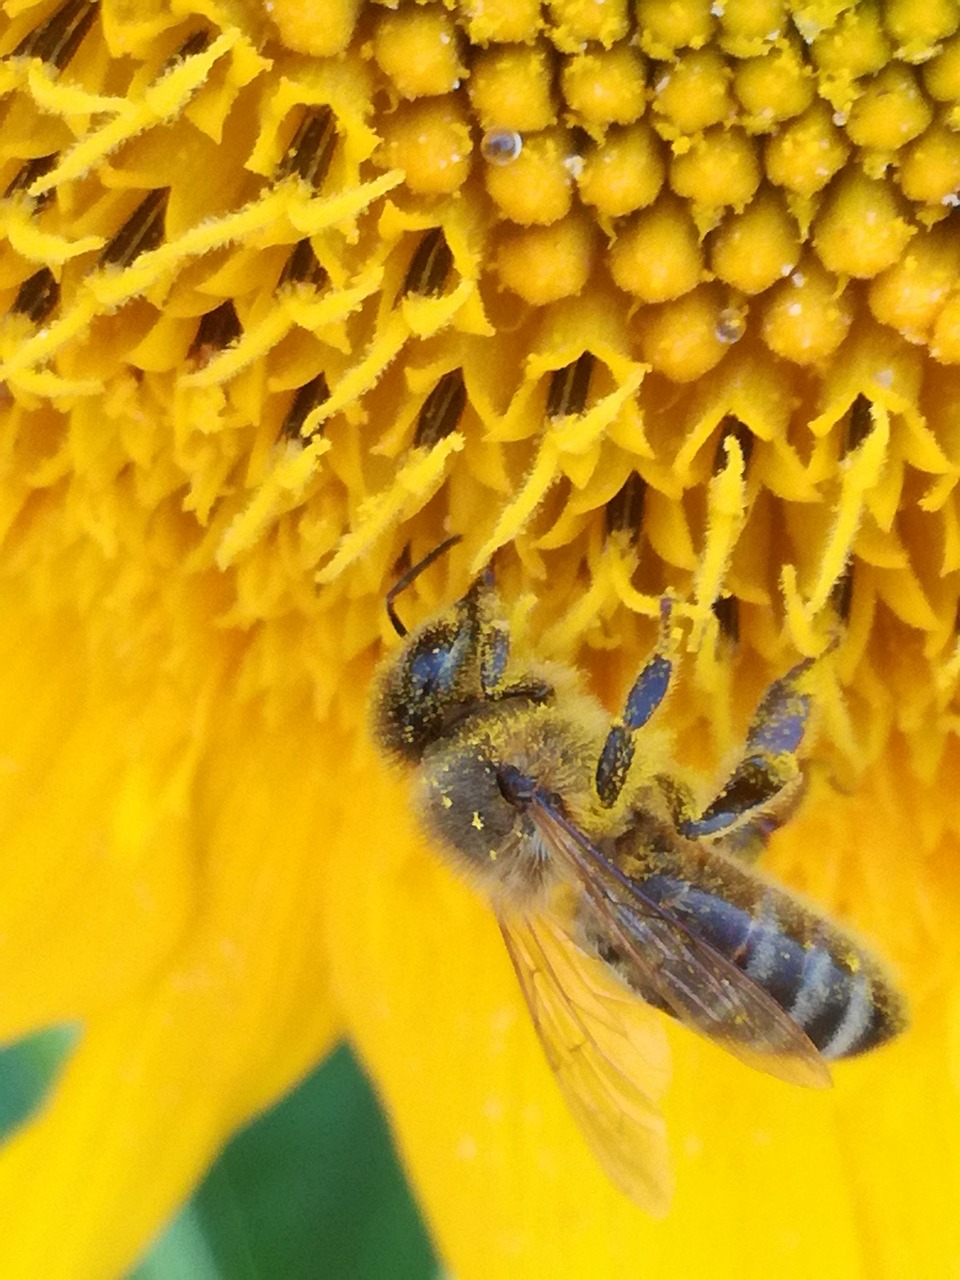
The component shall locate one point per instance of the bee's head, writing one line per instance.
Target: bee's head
(423, 690)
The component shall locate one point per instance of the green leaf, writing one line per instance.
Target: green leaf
(310, 1191)
(27, 1069)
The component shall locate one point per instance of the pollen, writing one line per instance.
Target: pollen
(318, 29)
(604, 88)
(623, 173)
(538, 186)
(666, 27)
(693, 93)
(544, 264)
(774, 87)
(754, 249)
(575, 22)
(430, 141)
(685, 338)
(804, 156)
(500, 21)
(418, 50)
(720, 169)
(511, 86)
(807, 316)
(658, 255)
(322, 273)
(891, 111)
(860, 229)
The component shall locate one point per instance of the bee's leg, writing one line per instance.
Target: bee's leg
(766, 786)
(649, 690)
(481, 606)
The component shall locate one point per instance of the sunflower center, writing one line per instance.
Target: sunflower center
(664, 295)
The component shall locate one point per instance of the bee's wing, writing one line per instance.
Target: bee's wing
(608, 1051)
(696, 982)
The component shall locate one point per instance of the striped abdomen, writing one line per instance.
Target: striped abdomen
(822, 979)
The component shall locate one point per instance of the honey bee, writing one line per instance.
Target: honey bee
(617, 900)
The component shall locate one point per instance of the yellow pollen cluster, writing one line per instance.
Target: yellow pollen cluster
(279, 292)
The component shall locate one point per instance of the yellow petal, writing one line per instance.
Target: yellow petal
(161, 886)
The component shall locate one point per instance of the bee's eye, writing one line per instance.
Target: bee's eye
(516, 787)
(433, 670)
(420, 694)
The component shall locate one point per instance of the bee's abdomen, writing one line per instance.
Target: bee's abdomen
(826, 984)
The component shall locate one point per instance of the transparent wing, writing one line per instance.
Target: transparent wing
(697, 983)
(609, 1053)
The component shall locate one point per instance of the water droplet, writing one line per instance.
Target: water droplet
(731, 325)
(501, 146)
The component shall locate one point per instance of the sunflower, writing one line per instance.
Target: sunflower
(637, 296)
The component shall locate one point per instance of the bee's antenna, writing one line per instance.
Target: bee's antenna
(411, 575)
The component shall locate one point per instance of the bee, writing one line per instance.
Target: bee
(618, 901)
